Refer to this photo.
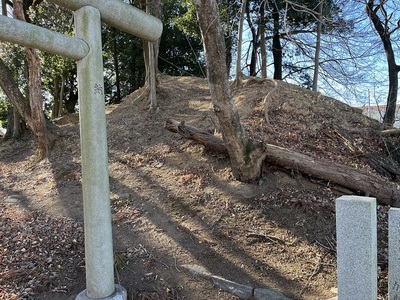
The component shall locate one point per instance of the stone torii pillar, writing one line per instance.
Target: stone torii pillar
(86, 48)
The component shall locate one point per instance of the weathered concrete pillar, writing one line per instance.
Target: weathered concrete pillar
(95, 182)
(394, 253)
(356, 248)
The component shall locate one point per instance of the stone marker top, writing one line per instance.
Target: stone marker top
(122, 16)
(354, 198)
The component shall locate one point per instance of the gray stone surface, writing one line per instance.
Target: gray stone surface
(356, 248)
(242, 291)
(119, 294)
(394, 254)
(99, 257)
(239, 290)
(268, 294)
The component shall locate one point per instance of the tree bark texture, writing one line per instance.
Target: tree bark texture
(239, 45)
(394, 69)
(35, 91)
(318, 47)
(14, 95)
(263, 49)
(356, 180)
(255, 33)
(56, 99)
(17, 124)
(246, 155)
(116, 66)
(276, 44)
(10, 122)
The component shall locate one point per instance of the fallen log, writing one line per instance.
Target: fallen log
(209, 141)
(358, 181)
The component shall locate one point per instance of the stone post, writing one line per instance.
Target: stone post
(394, 254)
(99, 260)
(356, 248)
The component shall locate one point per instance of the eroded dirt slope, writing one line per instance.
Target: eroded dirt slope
(174, 203)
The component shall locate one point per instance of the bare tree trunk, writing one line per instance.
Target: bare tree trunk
(152, 77)
(384, 33)
(151, 55)
(17, 128)
(229, 51)
(35, 92)
(35, 101)
(10, 123)
(56, 98)
(239, 45)
(262, 41)
(246, 155)
(157, 11)
(116, 65)
(61, 97)
(276, 44)
(318, 47)
(14, 95)
(255, 33)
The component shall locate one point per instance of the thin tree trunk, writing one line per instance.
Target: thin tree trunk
(152, 77)
(157, 11)
(10, 123)
(246, 155)
(36, 104)
(150, 65)
(56, 100)
(116, 66)
(229, 52)
(276, 45)
(239, 45)
(255, 32)
(17, 128)
(263, 42)
(394, 69)
(14, 95)
(318, 47)
(61, 97)
(35, 92)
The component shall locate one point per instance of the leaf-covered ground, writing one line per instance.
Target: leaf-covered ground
(174, 203)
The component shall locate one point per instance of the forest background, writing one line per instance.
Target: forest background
(342, 49)
(332, 46)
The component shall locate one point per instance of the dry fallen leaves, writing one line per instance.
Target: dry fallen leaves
(35, 249)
